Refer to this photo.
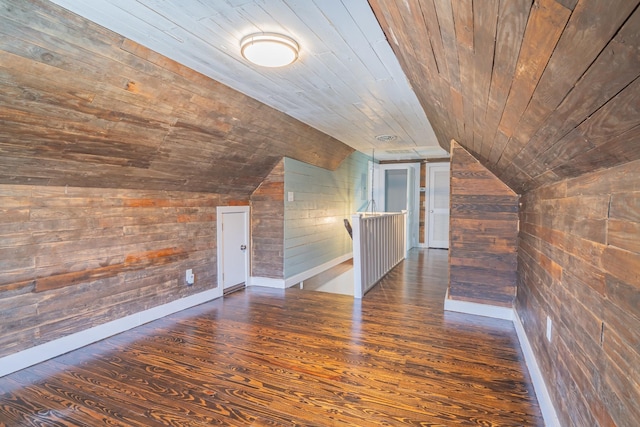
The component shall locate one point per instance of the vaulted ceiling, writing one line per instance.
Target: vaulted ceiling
(537, 90)
(346, 82)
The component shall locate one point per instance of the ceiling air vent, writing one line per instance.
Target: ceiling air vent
(386, 138)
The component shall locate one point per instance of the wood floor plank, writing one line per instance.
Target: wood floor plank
(267, 357)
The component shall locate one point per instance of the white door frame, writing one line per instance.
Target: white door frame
(413, 194)
(427, 211)
(220, 210)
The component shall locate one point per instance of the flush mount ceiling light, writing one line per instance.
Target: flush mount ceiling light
(269, 49)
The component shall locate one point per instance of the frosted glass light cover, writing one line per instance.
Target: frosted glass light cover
(269, 50)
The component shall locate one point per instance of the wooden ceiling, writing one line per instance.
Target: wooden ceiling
(346, 83)
(83, 106)
(537, 90)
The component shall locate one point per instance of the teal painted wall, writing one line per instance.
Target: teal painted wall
(314, 231)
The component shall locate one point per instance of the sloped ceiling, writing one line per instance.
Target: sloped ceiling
(537, 91)
(346, 82)
(83, 106)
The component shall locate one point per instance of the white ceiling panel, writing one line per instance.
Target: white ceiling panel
(347, 82)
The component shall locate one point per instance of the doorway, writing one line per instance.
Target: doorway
(438, 206)
(233, 247)
(395, 195)
(397, 190)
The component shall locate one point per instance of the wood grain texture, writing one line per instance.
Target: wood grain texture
(537, 91)
(80, 257)
(266, 357)
(82, 106)
(483, 226)
(579, 264)
(267, 226)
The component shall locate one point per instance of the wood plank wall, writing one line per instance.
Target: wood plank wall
(85, 107)
(72, 258)
(579, 264)
(160, 146)
(483, 233)
(267, 226)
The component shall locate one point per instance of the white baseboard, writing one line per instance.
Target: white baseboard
(267, 282)
(544, 399)
(300, 277)
(495, 311)
(542, 394)
(31, 356)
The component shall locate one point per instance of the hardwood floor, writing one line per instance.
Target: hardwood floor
(266, 357)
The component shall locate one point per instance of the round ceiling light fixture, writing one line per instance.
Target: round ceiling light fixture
(269, 49)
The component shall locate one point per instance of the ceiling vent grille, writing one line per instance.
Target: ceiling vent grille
(386, 138)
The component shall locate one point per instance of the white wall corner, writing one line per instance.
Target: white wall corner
(542, 393)
(31, 356)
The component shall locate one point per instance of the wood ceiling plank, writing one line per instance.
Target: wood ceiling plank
(410, 49)
(463, 17)
(98, 112)
(484, 27)
(512, 21)
(350, 33)
(589, 30)
(615, 68)
(436, 103)
(446, 22)
(618, 116)
(544, 28)
(426, 11)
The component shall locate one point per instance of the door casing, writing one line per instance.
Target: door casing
(413, 196)
(221, 211)
(431, 211)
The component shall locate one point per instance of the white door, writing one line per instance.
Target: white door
(233, 245)
(438, 213)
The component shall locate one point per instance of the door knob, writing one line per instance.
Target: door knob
(243, 247)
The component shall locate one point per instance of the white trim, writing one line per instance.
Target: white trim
(495, 311)
(542, 393)
(427, 198)
(412, 211)
(31, 356)
(267, 282)
(219, 241)
(300, 277)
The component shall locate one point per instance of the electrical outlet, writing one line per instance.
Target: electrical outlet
(190, 277)
(549, 326)
(290, 196)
